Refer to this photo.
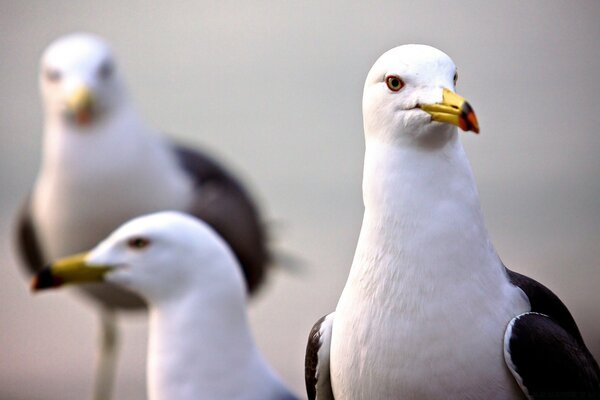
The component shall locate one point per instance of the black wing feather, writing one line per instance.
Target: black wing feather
(26, 240)
(549, 360)
(544, 301)
(546, 348)
(312, 359)
(316, 362)
(223, 203)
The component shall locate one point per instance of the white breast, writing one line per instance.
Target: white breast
(89, 185)
(427, 301)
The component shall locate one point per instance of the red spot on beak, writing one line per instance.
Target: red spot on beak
(84, 117)
(467, 120)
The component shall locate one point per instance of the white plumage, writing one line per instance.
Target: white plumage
(427, 300)
(102, 165)
(424, 264)
(200, 344)
(429, 311)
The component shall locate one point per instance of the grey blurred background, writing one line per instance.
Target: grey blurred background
(275, 89)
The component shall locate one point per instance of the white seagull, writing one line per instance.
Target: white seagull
(102, 165)
(200, 344)
(429, 311)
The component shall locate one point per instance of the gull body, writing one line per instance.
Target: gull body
(429, 310)
(200, 344)
(99, 176)
(103, 165)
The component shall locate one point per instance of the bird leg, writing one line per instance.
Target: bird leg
(107, 357)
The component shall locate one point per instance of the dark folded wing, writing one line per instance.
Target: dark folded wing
(224, 203)
(544, 349)
(316, 365)
(26, 240)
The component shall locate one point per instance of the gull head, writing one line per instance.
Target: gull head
(79, 81)
(161, 257)
(409, 97)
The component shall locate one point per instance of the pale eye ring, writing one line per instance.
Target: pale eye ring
(138, 243)
(394, 83)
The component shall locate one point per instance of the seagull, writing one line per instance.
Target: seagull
(102, 165)
(200, 344)
(429, 311)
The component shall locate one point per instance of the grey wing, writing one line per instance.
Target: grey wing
(316, 365)
(224, 203)
(544, 349)
(27, 241)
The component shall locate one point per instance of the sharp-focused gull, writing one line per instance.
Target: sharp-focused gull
(102, 165)
(200, 345)
(429, 311)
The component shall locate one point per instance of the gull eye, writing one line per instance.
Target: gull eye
(455, 78)
(105, 70)
(394, 83)
(138, 243)
(52, 75)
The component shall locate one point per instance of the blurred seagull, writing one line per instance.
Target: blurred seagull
(429, 311)
(200, 345)
(102, 166)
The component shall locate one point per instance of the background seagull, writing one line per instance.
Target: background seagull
(429, 311)
(200, 343)
(102, 166)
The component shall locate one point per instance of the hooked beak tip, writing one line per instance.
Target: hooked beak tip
(468, 119)
(45, 279)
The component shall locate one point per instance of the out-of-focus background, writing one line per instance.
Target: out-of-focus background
(274, 88)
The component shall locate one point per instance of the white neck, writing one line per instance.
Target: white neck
(424, 274)
(116, 159)
(66, 145)
(422, 222)
(201, 348)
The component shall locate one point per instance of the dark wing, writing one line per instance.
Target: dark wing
(223, 203)
(543, 301)
(544, 349)
(547, 361)
(27, 242)
(316, 363)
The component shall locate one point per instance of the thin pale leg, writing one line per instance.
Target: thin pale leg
(106, 366)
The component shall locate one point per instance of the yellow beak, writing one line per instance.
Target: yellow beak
(453, 110)
(81, 104)
(73, 269)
